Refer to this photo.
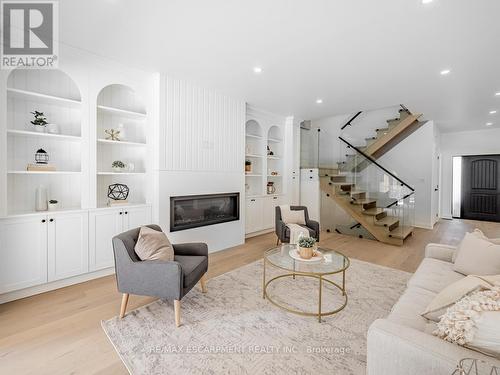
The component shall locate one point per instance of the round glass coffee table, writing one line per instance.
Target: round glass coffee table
(332, 263)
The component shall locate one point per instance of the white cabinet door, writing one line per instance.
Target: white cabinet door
(269, 211)
(23, 253)
(253, 216)
(103, 226)
(67, 245)
(135, 217)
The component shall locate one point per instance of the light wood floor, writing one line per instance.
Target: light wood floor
(59, 332)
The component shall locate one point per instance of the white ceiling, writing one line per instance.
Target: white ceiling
(354, 54)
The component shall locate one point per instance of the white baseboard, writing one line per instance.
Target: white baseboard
(23, 293)
(423, 226)
(265, 231)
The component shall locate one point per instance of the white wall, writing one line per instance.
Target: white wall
(412, 160)
(201, 151)
(480, 142)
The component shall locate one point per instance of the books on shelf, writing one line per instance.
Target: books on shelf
(41, 167)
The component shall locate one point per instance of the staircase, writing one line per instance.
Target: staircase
(374, 197)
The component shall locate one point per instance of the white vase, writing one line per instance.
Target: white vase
(53, 128)
(123, 135)
(117, 169)
(41, 199)
(39, 129)
(53, 206)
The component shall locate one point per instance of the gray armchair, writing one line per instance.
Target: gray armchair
(283, 233)
(169, 280)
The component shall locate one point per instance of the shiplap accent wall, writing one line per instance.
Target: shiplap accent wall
(200, 129)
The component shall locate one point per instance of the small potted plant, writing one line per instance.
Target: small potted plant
(39, 121)
(52, 205)
(306, 247)
(248, 166)
(118, 166)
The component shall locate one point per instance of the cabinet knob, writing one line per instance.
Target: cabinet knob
(51, 220)
(126, 212)
(43, 220)
(121, 213)
(252, 200)
(275, 197)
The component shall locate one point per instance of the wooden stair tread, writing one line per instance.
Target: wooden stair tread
(334, 183)
(373, 211)
(402, 232)
(364, 201)
(387, 221)
(355, 192)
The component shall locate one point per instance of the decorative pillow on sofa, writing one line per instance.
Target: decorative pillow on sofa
(476, 256)
(153, 245)
(479, 234)
(474, 322)
(455, 292)
(290, 216)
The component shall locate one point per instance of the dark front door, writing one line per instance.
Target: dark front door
(481, 187)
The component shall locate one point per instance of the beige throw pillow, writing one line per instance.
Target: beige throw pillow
(479, 234)
(455, 292)
(477, 256)
(153, 245)
(290, 216)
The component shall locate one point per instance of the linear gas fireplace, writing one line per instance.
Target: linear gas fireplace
(192, 211)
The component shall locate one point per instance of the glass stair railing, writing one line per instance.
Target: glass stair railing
(379, 201)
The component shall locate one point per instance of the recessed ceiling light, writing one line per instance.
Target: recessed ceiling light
(493, 112)
(319, 101)
(257, 70)
(497, 94)
(426, 1)
(489, 123)
(445, 72)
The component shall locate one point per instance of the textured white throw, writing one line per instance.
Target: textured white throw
(292, 219)
(462, 321)
(296, 231)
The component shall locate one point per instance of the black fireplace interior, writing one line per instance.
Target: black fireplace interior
(192, 211)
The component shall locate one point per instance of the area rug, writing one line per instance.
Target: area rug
(233, 330)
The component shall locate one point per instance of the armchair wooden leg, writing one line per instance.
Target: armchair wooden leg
(124, 305)
(203, 283)
(177, 309)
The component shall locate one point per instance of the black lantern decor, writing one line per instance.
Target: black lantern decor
(118, 192)
(41, 156)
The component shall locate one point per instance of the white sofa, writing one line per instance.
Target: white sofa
(403, 342)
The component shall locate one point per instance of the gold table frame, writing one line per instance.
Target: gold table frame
(317, 275)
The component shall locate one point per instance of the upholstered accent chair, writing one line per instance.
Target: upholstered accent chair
(283, 233)
(170, 280)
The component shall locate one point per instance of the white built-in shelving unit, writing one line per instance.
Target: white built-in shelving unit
(120, 108)
(44, 250)
(55, 94)
(264, 133)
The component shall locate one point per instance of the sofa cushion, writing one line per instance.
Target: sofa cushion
(407, 310)
(434, 275)
(193, 268)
